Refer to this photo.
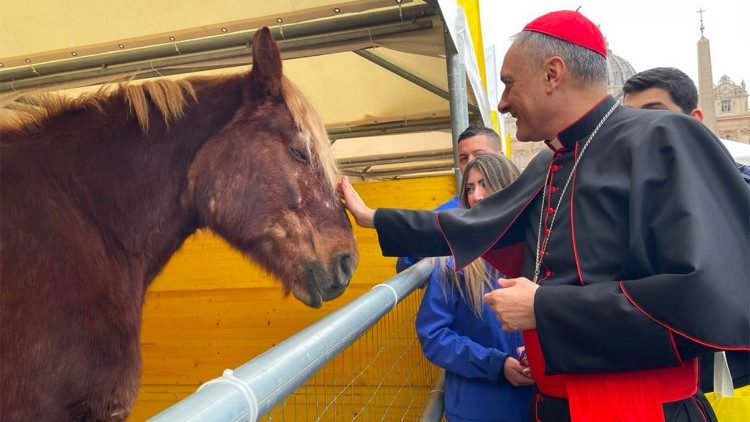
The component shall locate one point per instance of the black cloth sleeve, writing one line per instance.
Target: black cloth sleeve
(596, 329)
(409, 233)
(685, 289)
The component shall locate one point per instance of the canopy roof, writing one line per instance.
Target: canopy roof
(371, 67)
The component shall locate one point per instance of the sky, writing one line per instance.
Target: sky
(645, 33)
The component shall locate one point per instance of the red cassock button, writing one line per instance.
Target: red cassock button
(555, 167)
(552, 189)
(549, 273)
(547, 231)
(550, 210)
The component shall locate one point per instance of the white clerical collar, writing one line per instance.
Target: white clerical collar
(556, 144)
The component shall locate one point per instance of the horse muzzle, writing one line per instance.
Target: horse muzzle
(319, 285)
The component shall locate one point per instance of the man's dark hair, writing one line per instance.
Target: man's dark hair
(475, 130)
(679, 85)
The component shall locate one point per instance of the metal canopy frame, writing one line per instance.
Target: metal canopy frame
(203, 53)
(293, 37)
(385, 64)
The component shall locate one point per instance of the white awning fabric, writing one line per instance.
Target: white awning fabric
(348, 90)
(740, 151)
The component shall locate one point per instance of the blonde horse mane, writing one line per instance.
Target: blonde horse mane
(311, 128)
(169, 97)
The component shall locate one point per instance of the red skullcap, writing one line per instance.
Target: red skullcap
(572, 27)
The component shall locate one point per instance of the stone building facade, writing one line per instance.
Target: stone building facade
(732, 115)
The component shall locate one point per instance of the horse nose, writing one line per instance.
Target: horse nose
(343, 267)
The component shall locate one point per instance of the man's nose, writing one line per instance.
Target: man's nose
(502, 106)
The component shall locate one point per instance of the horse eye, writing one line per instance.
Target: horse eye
(300, 155)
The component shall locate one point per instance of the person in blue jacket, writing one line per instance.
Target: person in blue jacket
(473, 141)
(483, 379)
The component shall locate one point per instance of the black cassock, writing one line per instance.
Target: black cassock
(648, 262)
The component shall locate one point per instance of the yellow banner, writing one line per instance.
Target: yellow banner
(471, 9)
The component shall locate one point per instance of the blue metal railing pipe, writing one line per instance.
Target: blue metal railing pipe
(254, 388)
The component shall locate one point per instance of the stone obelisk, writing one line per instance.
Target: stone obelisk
(706, 94)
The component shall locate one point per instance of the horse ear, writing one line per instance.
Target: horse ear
(265, 78)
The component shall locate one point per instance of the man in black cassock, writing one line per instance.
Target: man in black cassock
(668, 88)
(626, 243)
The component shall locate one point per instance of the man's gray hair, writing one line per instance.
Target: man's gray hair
(585, 65)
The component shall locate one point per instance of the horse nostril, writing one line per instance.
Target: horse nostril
(343, 266)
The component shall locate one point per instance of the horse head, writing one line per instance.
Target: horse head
(266, 183)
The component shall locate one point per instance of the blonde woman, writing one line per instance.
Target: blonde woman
(483, 379)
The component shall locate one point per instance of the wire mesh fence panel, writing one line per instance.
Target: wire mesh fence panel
(380, 376)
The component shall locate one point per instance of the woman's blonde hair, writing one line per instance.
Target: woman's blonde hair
(498, 172)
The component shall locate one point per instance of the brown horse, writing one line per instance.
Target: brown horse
(99, 192)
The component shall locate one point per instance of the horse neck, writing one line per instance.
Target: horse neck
(136, 190)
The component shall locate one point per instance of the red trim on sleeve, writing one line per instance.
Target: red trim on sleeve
(687, 336)
(674, 347)
(455, 261)
(509, 225)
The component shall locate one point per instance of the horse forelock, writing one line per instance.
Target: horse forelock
(311, 127)
(169, 97)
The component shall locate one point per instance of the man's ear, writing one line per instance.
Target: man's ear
(697, 114)
(554, 70)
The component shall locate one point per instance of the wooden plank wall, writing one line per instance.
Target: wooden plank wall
(211, 309)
